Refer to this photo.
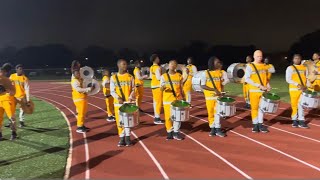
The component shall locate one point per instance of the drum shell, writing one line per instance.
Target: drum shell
(308, 102)
(129, 120)
(179, 114)
(226, 109)
(268, 105)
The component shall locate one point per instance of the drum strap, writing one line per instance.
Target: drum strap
(211, 79)
(298, 75)
(122, 94)
(174, 93)
(255, 68)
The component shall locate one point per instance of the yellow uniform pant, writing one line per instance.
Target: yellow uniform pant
(187, 87)
(316, 85)
(157, 101)
(213, 117)
(110, 106)
(170, 126)
(297, 109)
(121, 130)
(139, 95)
(245, 89)
(256, 112)
(8, 107)
(81, 107)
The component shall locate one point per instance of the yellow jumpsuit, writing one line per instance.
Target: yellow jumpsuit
(109, 98)
(80, 99)
(245, 89)
(155, 71)
(127, 85)
(316, 83)
(168, 98)
(293, 79)
(187, 86)
(210, 96)
(139, 86)
(255, 93)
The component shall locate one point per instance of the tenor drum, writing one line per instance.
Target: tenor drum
(269, 103)
(196, 81)
(180, 111)
(310, 99)
(236, 72)
(128, 115)
(226, 106)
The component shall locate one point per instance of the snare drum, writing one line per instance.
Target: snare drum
(128, 115)
(226, 106)
(269, 102)
(196, 81)
(310, 99)
(180, 111)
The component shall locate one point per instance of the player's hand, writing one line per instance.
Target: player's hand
(218, 93)
(120, 100)
(145, 77)
(28, 103)
(263, 88)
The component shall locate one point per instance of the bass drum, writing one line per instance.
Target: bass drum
(196, 81)
(236, 72)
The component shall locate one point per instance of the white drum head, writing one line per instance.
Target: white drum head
(86, 72)
(88, 83)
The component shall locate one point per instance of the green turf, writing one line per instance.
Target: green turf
(42, 148)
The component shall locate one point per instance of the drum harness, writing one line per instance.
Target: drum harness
(173, 92)
(122, 94)
(255, 68)
(298, 75)
(214, 86)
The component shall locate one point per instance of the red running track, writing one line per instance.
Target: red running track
(283, 153)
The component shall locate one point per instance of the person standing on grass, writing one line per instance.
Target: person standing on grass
(246, 86)
(138, 80)
(122, 89)
(80, 99)
(316, 60)
(212, 82)
(256, 75)
(107, 95)
(155, 75)
(296, 77)
(170, 94)
(190, 71)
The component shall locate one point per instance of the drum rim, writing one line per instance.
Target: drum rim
(270, 100)
(304, 93)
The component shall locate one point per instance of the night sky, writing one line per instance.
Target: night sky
(148, 24)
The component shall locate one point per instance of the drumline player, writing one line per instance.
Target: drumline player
(316, 60)
(246, 86)
(256, 75)
(138, 80)
(155, 75)
(107, 95)
(296, 77)
(122, 89)
(171, 84)
(212, 82)
(190, 71)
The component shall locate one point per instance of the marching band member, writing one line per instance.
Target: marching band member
(171, 85)
(7, 101)
(270, 67)
(107, 95)
(138, 80)
(187, 86)
(212, 82)
(316, 60)
(80, 100)
(246, 86)
(122, 89)
(21, 83)
(297, 80)
(155, 75)
(256, 75)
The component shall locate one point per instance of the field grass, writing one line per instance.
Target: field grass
(42, 148)
(278, 83)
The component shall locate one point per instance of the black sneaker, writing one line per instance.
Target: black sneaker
(263, 128)
(121, 142)
(81, 130)
(247, 106)
(86, 128)
(13, 136)
(255, 128)
(111, 119)
(220, 133)
(302, 124)
(295, 124)
(22, 125)
(212, 132)
(158, 121)
(1, 137)
(170, 135)
(128, 141)
(177, 136)
(8, 125)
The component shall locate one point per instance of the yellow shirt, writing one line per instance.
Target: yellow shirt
(21, 84)
(105, 80)
(191, 67)
(176, 79)
(263, 70)
(127, 85)
(137, 81)
(78, 92)
(155, 83)
(317, 66)
(294, 79)
(10, 88)
(217, 76)
(270, 70)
